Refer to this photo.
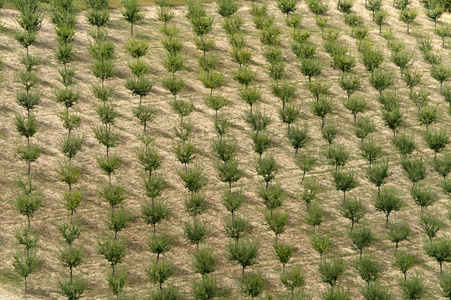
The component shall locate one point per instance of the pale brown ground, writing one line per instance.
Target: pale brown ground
(93, 210)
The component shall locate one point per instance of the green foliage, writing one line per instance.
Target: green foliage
(408, 15)
(431, 224)
(331, 270)
(117, 280)
(412, 78)
(368, 268)
(109, 164)
(380, 17)
(286, 6)
(195, 231)
(154, 211)
(272, 196)
(225, 149)
(371, 150)
(69, 232)
(440, 249)
(423, 196)
(311, 189)
(427, 115)
(205, 289)
(310, 66)
(174, 84)
(232, 25)
(363, 127)
(298, 137)
(283, 253)
(318, 7)
(372, 58)
(28, 204)
(415, 168)
(398, 232)
(276, 222)
(393, 119)
(193, 178)
(229, 172)
(267, 168)
(381, 79)
(236, 228)
(345, 180)
(442, 165)
(404, 261)
(204, 261)
(413, 288)
(173, 63)
(227, 8)
(314, 216)
(329, 132)
(378, 173)
(321, 108)
(345, 6)
(132, 12)
(250, 95)
(445, 285)
(354, 210)
(289, 115)
(387, 201)
(113, 250)
(118, 220)
(195, 204)
(362, 237)
(244, 252)
(405, 144)
(374, 291)
(283, 90)
(337, 155)
(185, 152)
(160, 244)
(25, 264)
(252, 284)
(335, 294)
(261, 141)
(159, 272)
(440, 73)
(244, 76)
(306, 163)
(72, 288)
(320, 243)
(294, 278)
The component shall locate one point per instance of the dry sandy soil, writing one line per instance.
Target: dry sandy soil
(94, 209)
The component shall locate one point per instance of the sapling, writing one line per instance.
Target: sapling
(287, 6)
(380, 17)
(272, 196)
(195, 231)
(321, 22)
(440, 249)
(445, 285)
(413, 288)
(434, 11)
(244, 252)
(228, 172)
(321, 108)
(350, 84)
(363, 127)
(355, 105)
(244, 76)
(354, 210)
(360, 33)
(331, 270)
(193, 178)
(160, 244)
(208, 63)
(388, 201)
(298, 137)
(227, 8)
(276, 222)
(284, 91)
(225, 149)
(113, 250)
(267, 167)
(412, 79)
(277, 71)
(132, 13)
(204, 261)
(443, 31)
(185, 152)
(442, 165)
(378, 173)
(273, 55)
(353, 20)
(293, 278)
(241, 56)
(232, 25)
(371, 151)
(373, 6)
(305, 50)
(182, 108)
(427, 115)
(206, 288)
(320, 243)
(294, 21)
(306, 163)
(402, 59)
(195, 204)
(368, 268)
(440, 73)
(345, 180)
(222, 126)
(375, 290)
(337, 156)
(262, 140)
(345, 6)
(289, 116)
(310, 67)
(153, 212)
(283, 253)
(420, 99)
(159, 272)
(252, 284)
(118, 220)
(318, 7)
(362, 237)
(372, 58)
(154, 185)
(404, 261)
(398, 232)
(381, 79)
(393, 119)
(408, 15)
(174, 84)
(415, 169)
(405, 144)
(336, 293)
(232, 201)
(236, 227)
(319, 88)
(72, 289)
(25, 265)
(216, 102)
(311, 189)
(431, 224)
(329, 133)
(314, 216)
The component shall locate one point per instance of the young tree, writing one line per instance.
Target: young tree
(405, 144)
(132, 13)
(423, 196)
(204, 261)
(354, 210)
(286, 6)
(443, 31)
(314, 216)
(371, 151)
(440, 249)
(160, 272)
(355, 105)
(441, 73)
(321, 108)
(298, 138)
(252, 284)
(160, 244)
(195, 231)
(276, 222)
(283, 253)
(408, 15)
(375, 291)
(372, 58)
(368, 269)
(244, 252)
(442, 165)
(330, 132)
(331, 270)
(345, 180)
(381, 79)
(350, 84)
(387, 201)
(272, 196)
(380, 17)
(415, 169)
(362, 237)
(363, 127)
(431, 224)
(306, 163)
(398, 232)
(320, 243)
(427, 115)
(337, 156)
(310, 67)
(293, 279)
(437, 140)
(404, 261)
(378, 173)
(413, 288)
(412, 78)
(204, 289)
(267, 168)
(445, 285)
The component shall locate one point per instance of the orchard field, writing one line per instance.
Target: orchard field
(232, 149)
